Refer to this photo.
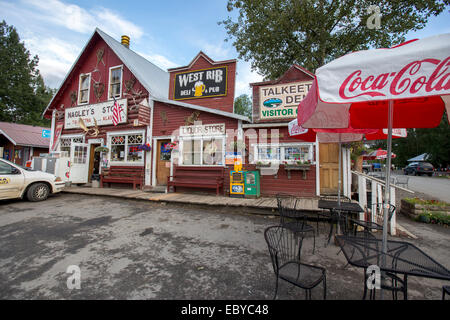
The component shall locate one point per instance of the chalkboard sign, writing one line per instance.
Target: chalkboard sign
(204, 83)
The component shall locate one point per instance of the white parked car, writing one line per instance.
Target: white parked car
(19, 182)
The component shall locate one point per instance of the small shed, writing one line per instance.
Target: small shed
(20, 142)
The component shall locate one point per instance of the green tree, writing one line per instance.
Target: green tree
(434, 141)
(23, 94)
(243, 106)
(274, 34)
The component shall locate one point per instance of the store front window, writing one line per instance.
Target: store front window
(66, 143)
(288, 152)
(125, 148)
(202, 151)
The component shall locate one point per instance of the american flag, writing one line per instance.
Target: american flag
(117, 110)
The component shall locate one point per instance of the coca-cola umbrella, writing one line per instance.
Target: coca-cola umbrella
(329, 136)
(406, 86)
(378, 155)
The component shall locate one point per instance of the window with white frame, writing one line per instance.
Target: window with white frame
(115, 82)
(284, 152)
(66, 142)
(125, 147)
(202, 151)
(84, 88)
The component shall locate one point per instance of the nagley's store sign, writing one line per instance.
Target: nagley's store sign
(204, 83)
(203, 130)
(101, 112)
(281, 101)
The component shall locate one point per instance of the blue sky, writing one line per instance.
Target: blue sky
(168, 33)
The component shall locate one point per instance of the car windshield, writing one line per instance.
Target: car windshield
(17, 165)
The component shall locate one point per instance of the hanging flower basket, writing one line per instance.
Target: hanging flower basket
(172, 146)
(145, 147)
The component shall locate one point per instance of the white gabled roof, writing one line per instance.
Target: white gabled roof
(154, 79)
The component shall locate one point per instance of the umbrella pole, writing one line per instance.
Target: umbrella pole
(387, 190)
(338, 229)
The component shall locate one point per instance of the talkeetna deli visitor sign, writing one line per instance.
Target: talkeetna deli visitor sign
(203, 83)
(101, 112)
(281, 101)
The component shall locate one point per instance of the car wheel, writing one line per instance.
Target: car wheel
(38, 192)
(430, 174)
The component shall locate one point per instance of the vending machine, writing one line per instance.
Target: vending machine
(237, 183)
(252, 184)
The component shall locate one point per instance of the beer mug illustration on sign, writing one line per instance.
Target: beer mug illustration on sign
(199, 88)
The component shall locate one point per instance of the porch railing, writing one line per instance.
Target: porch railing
(377, 192)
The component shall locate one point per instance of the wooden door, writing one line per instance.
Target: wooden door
(162, 162)
(94, 161)
(329, 168)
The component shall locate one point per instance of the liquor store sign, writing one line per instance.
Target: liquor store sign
(203, 130)
(203, 83)
(281, 101)
(101, 112)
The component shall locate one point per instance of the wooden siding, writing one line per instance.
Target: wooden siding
(167, 118)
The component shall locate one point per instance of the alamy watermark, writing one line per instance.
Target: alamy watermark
(374, 20)
(374, 277)
(74, 281)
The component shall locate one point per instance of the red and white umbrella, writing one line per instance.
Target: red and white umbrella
(378, 155)
(406, 86)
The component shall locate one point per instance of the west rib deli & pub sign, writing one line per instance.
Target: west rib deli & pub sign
(203, 83)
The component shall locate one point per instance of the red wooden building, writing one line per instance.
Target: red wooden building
(175, 121)
(157, 107)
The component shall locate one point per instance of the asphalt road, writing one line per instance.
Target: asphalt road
(435, 187)
(129, 249)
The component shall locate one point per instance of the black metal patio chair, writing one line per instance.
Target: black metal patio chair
(285, 253)
(445, 290)
(294, 218)
(332, 217)
(369, 225)
(389, 280)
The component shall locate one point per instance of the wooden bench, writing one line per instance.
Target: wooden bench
(197, 177)
(123, 174)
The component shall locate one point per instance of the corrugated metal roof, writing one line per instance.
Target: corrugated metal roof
(204, 109)
(154, 79)
(24, 135)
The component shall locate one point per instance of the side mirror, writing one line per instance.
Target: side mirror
(15, 171)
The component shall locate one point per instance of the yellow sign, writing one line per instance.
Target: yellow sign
(281, 101)
(4, 180)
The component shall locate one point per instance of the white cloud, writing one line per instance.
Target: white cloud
(244, 77)
(159, 60)
(55, 57)
(81, 20)
(216, 51)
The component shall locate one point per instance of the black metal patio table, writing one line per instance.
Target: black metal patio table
(400, 258)
(343, 207)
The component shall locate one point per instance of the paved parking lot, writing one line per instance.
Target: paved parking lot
(130, 249)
